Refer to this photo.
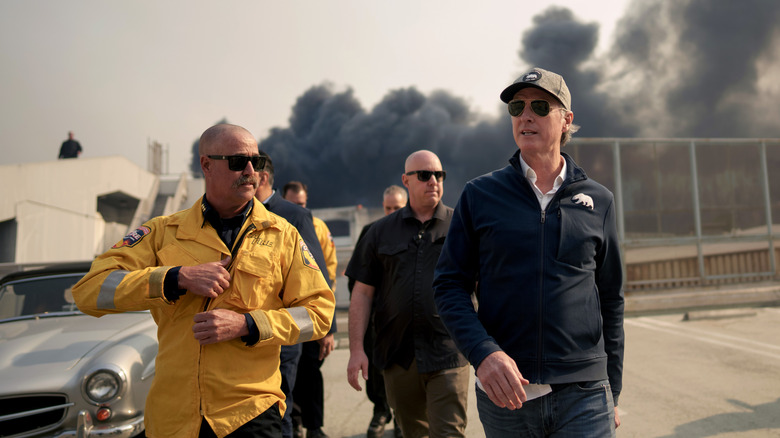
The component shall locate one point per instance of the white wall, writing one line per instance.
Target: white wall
(55, 204)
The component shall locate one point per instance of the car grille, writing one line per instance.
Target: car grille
(25, 414)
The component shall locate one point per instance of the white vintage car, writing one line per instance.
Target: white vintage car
(64, 373)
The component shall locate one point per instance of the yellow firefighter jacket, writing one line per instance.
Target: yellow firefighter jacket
(273, 278)
(328, 248)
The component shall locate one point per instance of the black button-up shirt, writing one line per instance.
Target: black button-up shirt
(398, 256)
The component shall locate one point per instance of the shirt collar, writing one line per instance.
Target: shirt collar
(210, 214)
(530, 174)
(439, 213)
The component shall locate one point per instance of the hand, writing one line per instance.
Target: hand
(358, 362)
(327, 344)
(617, 418)
(207, 279)
(502, 381)
(219, 325)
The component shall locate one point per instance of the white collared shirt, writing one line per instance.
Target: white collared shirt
(530, 175)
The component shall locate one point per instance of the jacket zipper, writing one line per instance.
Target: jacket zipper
(540, 349)
(540, 339)
(233, 253)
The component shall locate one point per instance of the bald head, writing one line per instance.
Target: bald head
(214, 136)
(416, 159)
(421, 159)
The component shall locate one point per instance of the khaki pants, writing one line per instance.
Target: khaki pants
(429, 404)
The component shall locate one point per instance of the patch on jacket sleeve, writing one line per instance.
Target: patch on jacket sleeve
(306, 255)
(133, 237)
(583, 199)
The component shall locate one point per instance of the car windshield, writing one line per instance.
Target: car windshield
(38, 295)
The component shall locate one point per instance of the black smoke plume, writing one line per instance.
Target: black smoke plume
(693, 68)
(347, 155)
(699, 68)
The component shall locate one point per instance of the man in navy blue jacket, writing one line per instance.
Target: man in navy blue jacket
(301, 219)
(538, 242)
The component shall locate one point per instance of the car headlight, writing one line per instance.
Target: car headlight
(103, 386)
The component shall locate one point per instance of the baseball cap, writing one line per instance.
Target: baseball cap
(548, 81)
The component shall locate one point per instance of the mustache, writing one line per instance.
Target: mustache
(251, 179)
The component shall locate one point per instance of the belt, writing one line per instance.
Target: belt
(561, 386)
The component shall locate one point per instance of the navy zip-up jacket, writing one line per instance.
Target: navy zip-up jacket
(549, 282)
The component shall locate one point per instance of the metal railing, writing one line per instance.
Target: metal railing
(716, 196)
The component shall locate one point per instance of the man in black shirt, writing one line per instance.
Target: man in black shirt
(70, 148)
(426, 377)
(393, 199)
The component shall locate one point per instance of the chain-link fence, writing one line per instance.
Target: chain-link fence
(690, 211)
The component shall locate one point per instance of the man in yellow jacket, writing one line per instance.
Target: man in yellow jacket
(228, 283)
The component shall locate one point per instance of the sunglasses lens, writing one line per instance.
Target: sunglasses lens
(237, 162)
(425, 175)
(516, 107)
(540, 107)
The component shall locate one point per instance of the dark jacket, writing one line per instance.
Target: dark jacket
(550, 282)
(300, 218)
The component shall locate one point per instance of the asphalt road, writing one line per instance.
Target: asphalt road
(714, 375)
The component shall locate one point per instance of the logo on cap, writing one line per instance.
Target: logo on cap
(532, 76)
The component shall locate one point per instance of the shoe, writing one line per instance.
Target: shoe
(316, 433)
(377, 427)
(297, 430)
(397, 430)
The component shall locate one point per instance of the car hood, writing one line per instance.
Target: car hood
(52, 347)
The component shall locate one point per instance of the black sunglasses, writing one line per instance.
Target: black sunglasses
(540, 107)
(425, 175)
(238, 162)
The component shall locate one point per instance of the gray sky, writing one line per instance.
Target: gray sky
(119, 74)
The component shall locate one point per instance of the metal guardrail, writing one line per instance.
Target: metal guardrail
(748, 177)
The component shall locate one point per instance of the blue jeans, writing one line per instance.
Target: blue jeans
(574, 411)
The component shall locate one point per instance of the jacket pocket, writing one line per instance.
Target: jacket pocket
(580, 232)
(251, 282)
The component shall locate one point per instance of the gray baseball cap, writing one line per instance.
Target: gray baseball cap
(548, 81)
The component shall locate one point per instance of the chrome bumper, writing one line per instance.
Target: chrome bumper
(85, 428)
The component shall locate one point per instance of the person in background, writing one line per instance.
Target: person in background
(219, 328)
(426, 377)
(301, 218)
(394, 198)
(539, 240)
(70, 148)
(297, 193)
(309, 391)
